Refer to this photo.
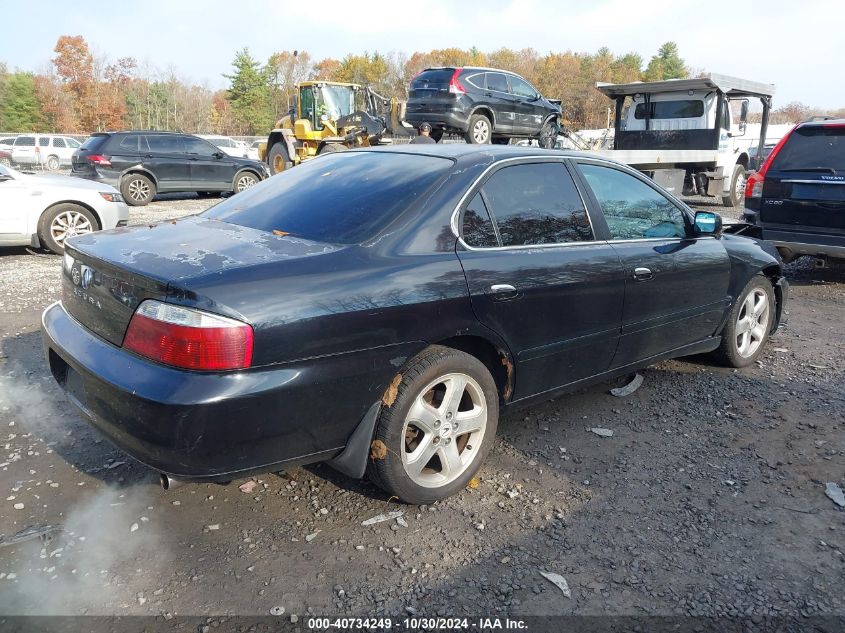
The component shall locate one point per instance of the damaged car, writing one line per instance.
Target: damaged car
(377, 309)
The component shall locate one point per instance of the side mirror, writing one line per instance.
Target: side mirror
(707, 223)
(218, 155)
(743, 111)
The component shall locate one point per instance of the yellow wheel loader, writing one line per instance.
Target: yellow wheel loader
(328, 116)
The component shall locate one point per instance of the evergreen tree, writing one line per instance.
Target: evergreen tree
(249, 94)
(667, 64)
(19, 107)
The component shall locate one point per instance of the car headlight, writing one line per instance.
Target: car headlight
(111, 197)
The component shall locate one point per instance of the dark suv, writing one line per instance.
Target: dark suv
(144, 163)
(798, 196)
(483, 104)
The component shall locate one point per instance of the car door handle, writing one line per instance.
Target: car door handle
(641, 273)
(503, 291)
(488, 94)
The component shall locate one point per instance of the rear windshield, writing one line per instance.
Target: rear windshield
(439, 77)
(94, 142)
(681, 109)
(813, 147)
(343, 198)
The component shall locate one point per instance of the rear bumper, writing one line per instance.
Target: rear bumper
(807, 244)
(211, 426)
(449, 120)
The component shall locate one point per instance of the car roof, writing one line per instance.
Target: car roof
(822, 123)
(485, 68)
(465, 151)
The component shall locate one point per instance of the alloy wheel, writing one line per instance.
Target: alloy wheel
(52, 163)
(481, 131)
(67, 224)
(139, 190)
(245, 182)
(752, 324)
(444, 430)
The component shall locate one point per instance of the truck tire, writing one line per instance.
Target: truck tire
(479, 131)
(278, 159)
(736, 197)
(331, 148)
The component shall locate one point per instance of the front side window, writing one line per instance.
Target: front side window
(522, 88)
(59, 142)
(536, 203)
(633, 209)
(165, 143)
(44, 141)
(199, 146)
(72, 143)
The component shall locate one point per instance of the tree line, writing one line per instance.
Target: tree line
(83, 92)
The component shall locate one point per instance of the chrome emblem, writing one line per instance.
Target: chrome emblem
(87, 277)
(75, 276)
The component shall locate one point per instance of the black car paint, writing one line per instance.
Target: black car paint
(335, 324)
(511, 115)
(169, 171)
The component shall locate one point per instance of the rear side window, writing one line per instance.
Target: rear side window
(431, 78)
(813, 147)
(44, 141)
(343, 198)
(165, 143)
(59, 142)
(94, 143)
(497, 82)
(478, 228)
(129, 143)
(25, 141)
(681, 109)
(536, 204)
(633, 209)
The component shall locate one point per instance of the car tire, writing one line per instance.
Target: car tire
(278, 159)
(137, 190)
(737, 195)
(479, 131)
(62, 221)
(749, 324)
(5, 162)
(244, 180)
(548, 134)
(419, 454)
(52, 163)
(332, 148)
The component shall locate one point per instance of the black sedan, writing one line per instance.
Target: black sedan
(377, 308)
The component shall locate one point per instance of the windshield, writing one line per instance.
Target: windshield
(336, 101)
(344, 198)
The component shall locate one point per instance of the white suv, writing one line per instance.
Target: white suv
(46, 150)
(228, 145)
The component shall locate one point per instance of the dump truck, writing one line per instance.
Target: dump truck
(687, 134)
(329, 116)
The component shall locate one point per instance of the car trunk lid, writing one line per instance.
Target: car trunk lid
(106, 275)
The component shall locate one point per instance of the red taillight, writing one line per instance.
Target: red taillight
(754, 184)
(455, 86)
(99, 159)
(187, 338)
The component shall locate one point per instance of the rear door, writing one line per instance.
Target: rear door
(498, 96)
(538, 276)
(164, 155)
(676, 285)
(804, 187)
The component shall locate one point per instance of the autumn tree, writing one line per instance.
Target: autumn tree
(74, 65)
(326, 69)
(283, 71)
(249, 94)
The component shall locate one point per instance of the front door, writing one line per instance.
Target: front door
(14, 205)
(538, 277)
(210, 166)
(676, 285)
(529, 116)
(500, 100)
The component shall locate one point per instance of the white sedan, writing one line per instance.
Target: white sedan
(45, 210)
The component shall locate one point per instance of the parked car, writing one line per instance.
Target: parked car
(483, 104)
(142, 164)
(44, 210)
(382, 327)
(47, 150)
(6, 143)
(254, 150)
(5, 158)
(797, 198)
(754, 161)
(227, 144)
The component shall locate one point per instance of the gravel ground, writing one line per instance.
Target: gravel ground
(707, 500)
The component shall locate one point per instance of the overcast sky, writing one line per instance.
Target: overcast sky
(799, 46)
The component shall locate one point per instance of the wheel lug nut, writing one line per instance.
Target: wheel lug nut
(437, 440)
(448, 440)
(437, 424)
(449, 415)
